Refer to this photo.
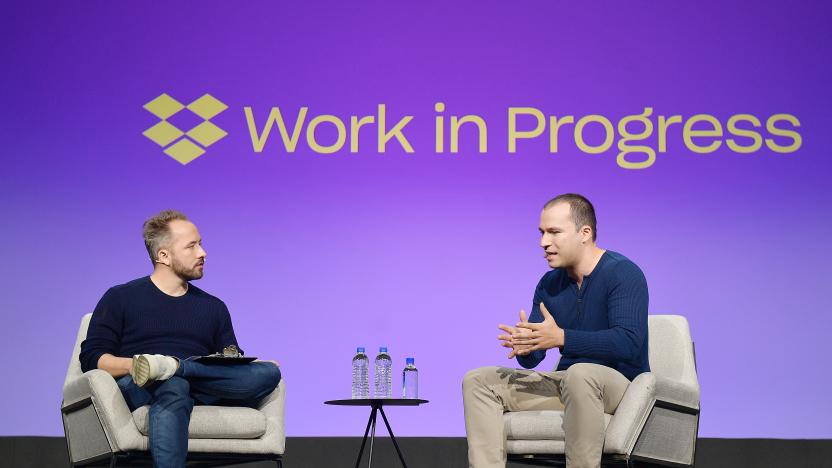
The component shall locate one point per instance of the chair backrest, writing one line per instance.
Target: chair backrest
(74, 370)
(671, 348)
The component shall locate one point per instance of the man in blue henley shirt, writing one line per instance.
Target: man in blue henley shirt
(592, 306)
(142, 333)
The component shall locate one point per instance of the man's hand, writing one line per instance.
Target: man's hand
(507, 341)
(534, 336)
(115, 366)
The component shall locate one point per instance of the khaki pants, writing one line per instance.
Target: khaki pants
(584, 392)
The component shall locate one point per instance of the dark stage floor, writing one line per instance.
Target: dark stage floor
(449, 452)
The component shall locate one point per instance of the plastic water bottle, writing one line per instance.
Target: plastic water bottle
(384, 382)
(360, 375)
(410, 380)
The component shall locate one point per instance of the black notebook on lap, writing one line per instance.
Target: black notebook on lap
(219, 359)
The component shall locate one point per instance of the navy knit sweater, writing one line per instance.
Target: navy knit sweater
(137, 318)
(604, 322)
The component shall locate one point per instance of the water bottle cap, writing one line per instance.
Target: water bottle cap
(410, 360)
(360, 349)
(382, 349)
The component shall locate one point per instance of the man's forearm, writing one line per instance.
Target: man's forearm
(115, 366)
(614, 344)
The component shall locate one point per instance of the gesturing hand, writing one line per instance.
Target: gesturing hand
(507, 341)
(533, 336)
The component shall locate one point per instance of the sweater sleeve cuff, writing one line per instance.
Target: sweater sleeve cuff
(530, 361)
(576, 342)
(90, 361)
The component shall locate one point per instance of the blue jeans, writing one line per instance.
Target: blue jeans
(172, 400)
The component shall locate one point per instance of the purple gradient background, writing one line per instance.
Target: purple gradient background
(316, 254)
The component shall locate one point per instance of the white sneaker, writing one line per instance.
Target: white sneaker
(148, 368)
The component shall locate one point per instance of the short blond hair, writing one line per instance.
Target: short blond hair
(156, 231)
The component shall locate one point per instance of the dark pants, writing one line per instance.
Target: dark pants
(172, 400)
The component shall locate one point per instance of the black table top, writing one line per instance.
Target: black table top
(377, 401)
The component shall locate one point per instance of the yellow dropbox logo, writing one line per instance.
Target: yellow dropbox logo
(165, 134)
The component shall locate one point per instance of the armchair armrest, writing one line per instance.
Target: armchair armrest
(273, 408)
(644, 391)
(631, 414)
(100, 389)
(677, 393)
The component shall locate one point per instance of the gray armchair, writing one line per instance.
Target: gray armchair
(657, 420)
(100, 428)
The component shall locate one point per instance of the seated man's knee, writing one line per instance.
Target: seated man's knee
(267, 376)
(273, 375)
(580, 372)
(477, 377)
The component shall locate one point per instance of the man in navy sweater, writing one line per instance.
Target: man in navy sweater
(592, 306)
(142, 333)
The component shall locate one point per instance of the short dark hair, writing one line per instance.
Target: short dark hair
(156, 231)
(583, 213)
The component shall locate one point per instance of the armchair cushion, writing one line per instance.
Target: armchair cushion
(537, 425)
(215, 422)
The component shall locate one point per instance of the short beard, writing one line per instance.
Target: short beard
(184, 273)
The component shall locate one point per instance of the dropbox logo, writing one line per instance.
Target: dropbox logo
(185, 146)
